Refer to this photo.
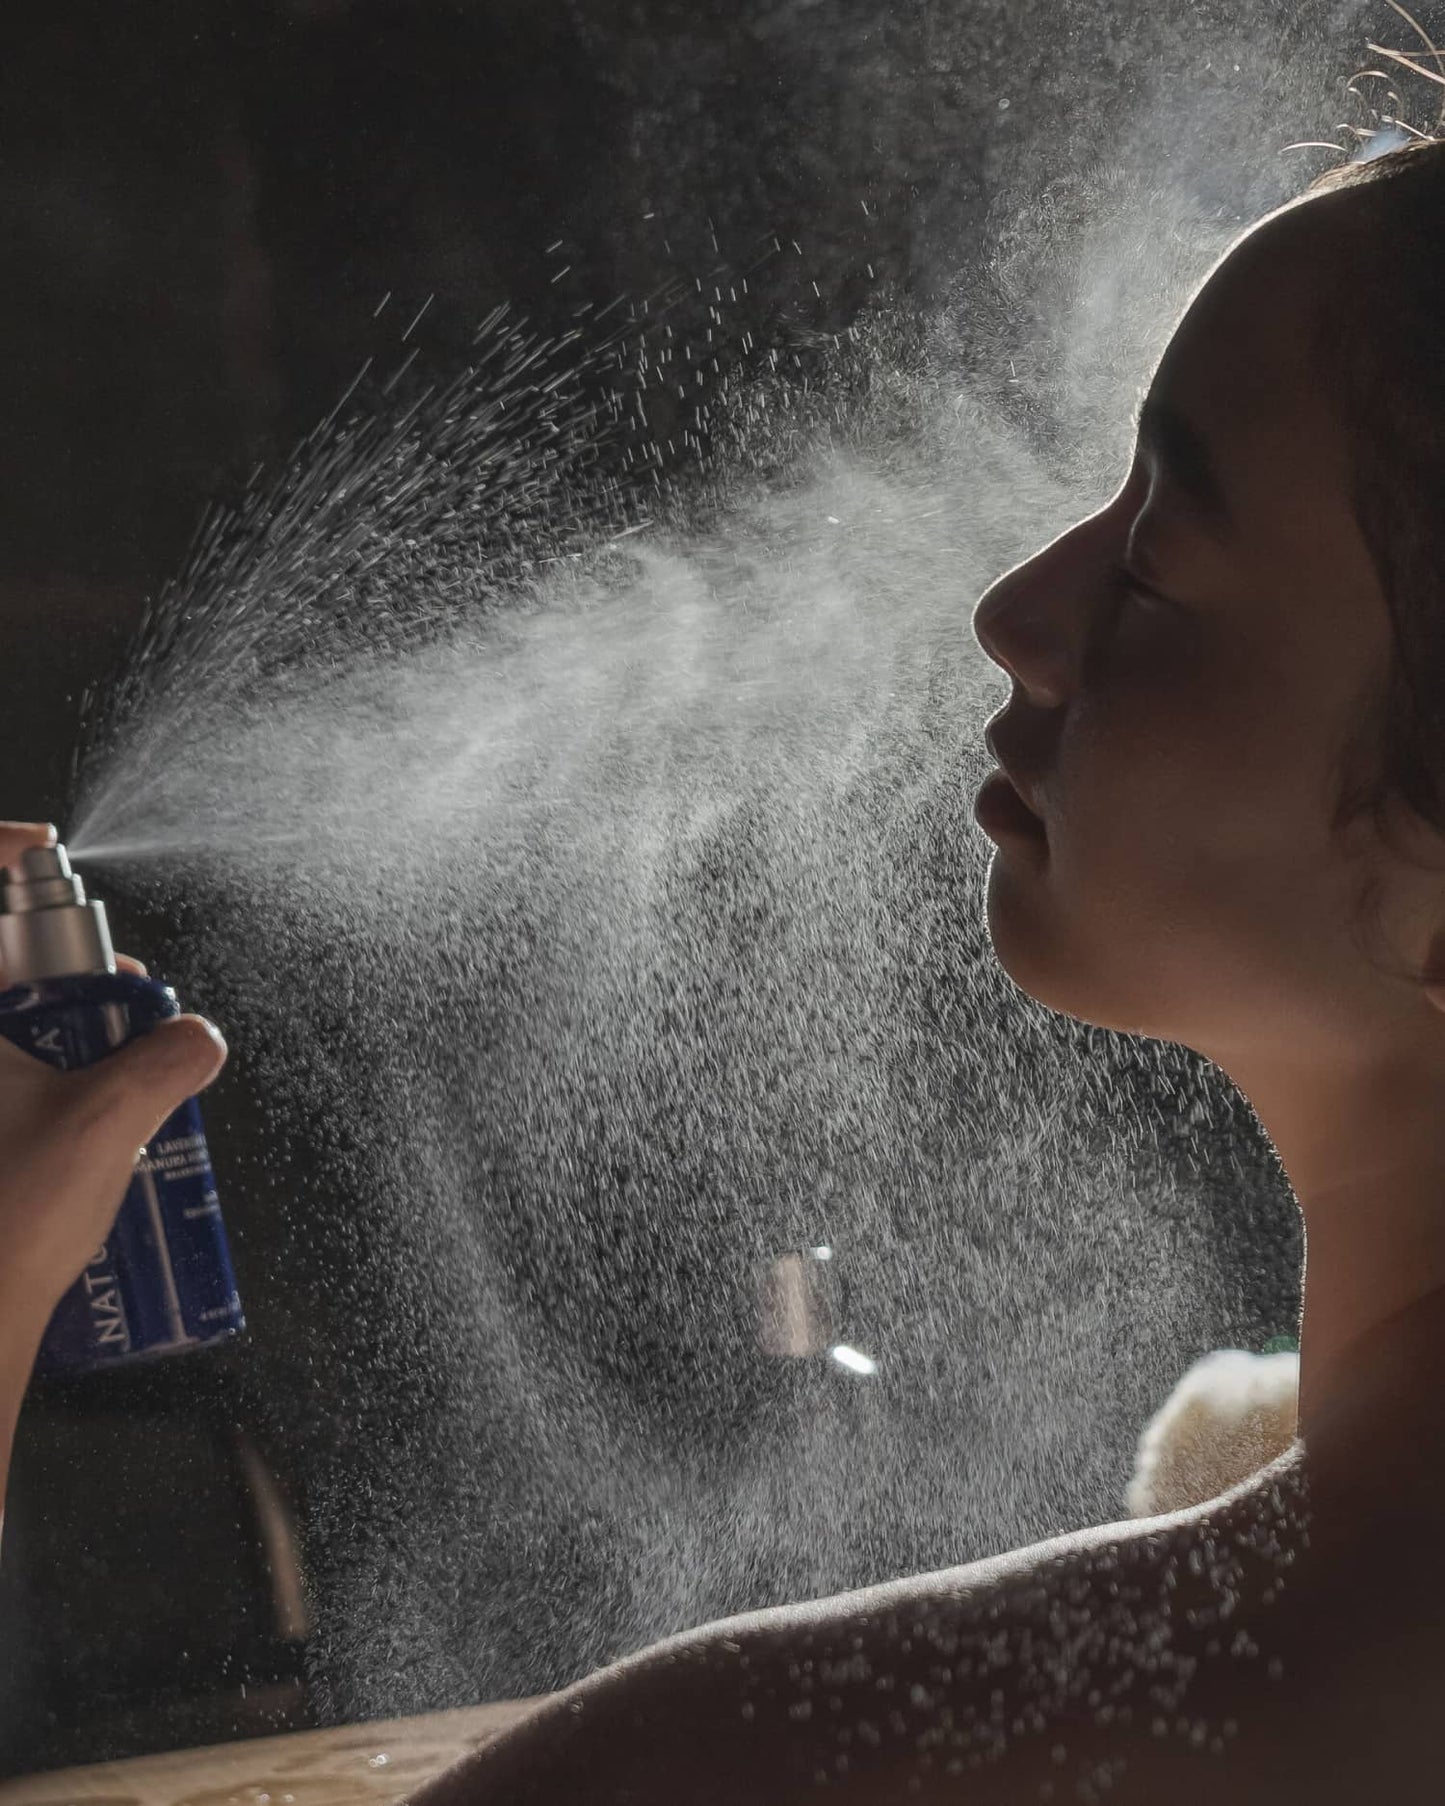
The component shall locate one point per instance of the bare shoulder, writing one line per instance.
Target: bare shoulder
(1091, 1666)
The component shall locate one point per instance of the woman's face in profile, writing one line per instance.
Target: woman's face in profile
(1193, 668)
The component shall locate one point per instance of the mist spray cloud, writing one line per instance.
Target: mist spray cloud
(587, 863)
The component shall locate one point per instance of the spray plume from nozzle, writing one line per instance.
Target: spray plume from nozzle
(49, 927)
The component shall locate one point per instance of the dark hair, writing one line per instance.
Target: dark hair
(1381, 336)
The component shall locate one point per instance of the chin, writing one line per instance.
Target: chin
(1062, 972)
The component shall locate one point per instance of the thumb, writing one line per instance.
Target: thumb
(135, 1089)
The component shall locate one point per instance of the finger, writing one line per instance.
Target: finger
(134, 1090)
(124, 963)
(16, 836)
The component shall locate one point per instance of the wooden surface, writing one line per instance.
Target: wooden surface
(350, 1765)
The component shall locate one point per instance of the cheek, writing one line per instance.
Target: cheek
(1190, 864)
(1171, 776)
(1206, 753)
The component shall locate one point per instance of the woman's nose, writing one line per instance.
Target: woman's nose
(1026, 622)
(1021, 623)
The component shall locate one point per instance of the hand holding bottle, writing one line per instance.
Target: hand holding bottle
(69, 1141)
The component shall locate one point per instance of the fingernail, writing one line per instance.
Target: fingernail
(45, 831)
(184, 1048)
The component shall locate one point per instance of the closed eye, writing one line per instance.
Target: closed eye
(1125, 582)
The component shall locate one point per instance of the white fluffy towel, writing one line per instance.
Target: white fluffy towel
(1230, 1415)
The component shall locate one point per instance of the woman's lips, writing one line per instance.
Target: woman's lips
(999, 810)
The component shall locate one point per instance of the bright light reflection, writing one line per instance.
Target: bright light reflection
(852, 1359)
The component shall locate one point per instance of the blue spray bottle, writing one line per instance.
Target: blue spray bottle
(162, 1280)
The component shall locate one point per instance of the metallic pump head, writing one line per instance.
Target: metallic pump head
(48, 928)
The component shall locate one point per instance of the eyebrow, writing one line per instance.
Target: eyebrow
(1183, 454)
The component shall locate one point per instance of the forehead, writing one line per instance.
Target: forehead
(1245, 372)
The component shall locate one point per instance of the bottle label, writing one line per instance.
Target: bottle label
(109, 1329)
(163, 1278)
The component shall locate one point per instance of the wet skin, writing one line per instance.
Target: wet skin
(1183, 1661)
(1181, 735)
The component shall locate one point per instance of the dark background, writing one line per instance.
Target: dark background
(211, 215)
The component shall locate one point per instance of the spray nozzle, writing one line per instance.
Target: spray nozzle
(40, 878)
(49, 928)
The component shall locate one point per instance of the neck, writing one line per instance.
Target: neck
(1364, 1147)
